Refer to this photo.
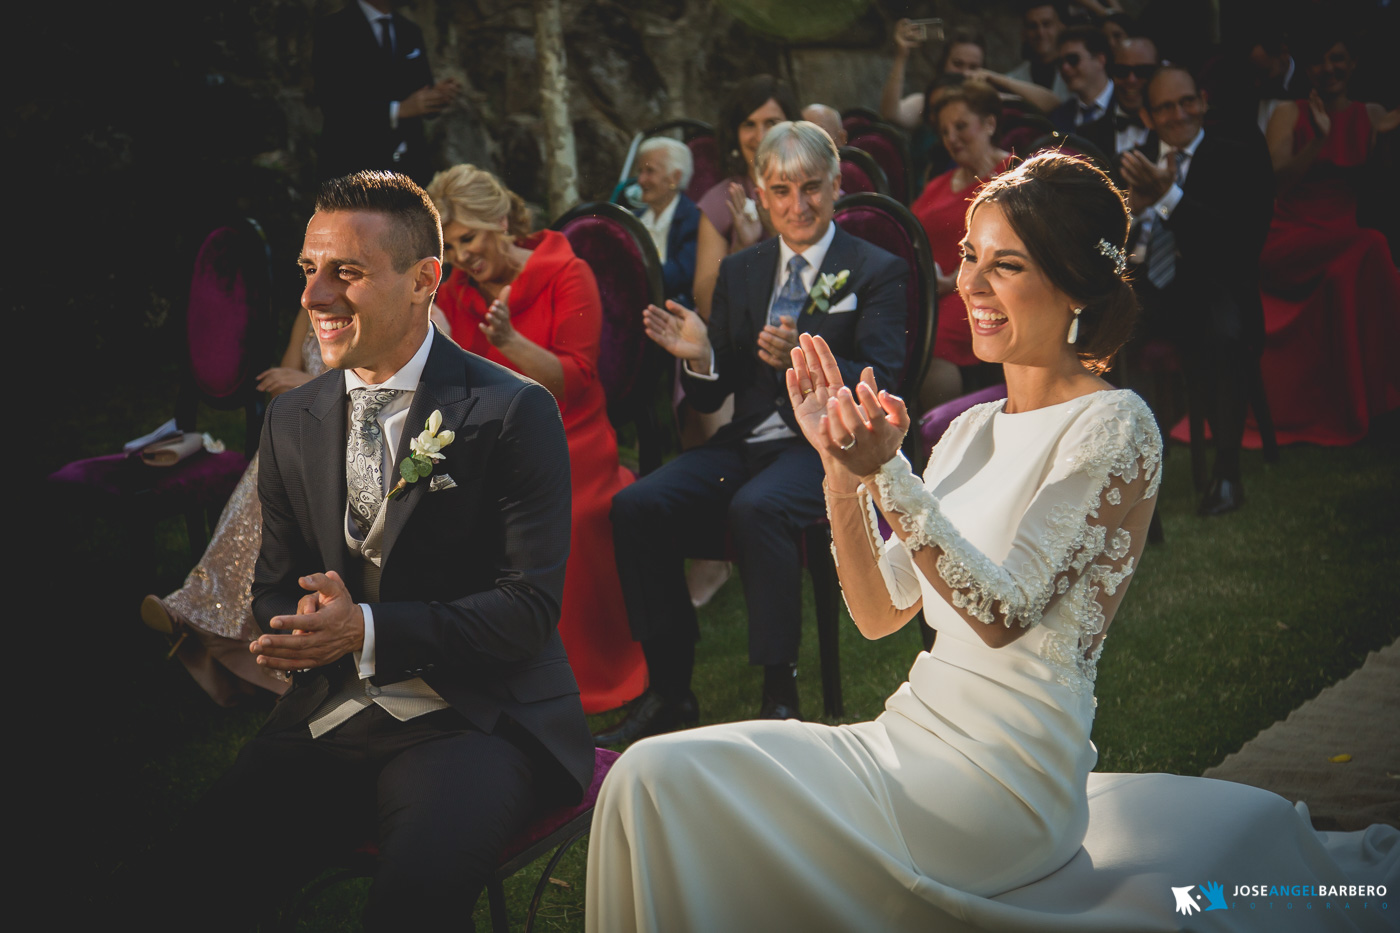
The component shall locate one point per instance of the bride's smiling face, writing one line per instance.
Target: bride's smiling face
(1016, 314)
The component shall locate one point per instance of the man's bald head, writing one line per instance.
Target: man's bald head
(828, 119)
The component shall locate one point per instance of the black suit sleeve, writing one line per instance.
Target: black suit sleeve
(511, 621)
(275, 588)
(707, 395)
(1223, 216)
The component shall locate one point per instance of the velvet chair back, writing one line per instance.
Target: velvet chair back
(890, 150)
(628, 270)
(1072, 144)
(860, 173)
(888, 224)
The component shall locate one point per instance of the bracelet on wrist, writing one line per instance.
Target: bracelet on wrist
(839, 495)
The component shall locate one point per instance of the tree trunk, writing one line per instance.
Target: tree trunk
(560, 160)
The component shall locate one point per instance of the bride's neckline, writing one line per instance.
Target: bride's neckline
(1003, 413)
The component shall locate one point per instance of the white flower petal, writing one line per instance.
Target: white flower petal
(434, 421)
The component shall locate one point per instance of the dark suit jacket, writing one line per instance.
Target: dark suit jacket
(1220, 226)
(1100, 132)
(354, 85)
(873, 334)
(471, 578)
(678, 271)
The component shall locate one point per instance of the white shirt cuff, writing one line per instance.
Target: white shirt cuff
(364, 658)
(1168, 202)
(393, 114)
(711, 376)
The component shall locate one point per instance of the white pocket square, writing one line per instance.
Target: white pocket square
(845, 304)
(414, 54)
(442, 482)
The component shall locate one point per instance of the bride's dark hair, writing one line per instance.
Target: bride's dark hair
(1065, 210)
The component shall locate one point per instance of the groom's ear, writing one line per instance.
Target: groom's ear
(427, 275)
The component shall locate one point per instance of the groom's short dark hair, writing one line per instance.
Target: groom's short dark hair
(418, 231)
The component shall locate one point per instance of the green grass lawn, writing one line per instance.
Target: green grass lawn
(1228, 626)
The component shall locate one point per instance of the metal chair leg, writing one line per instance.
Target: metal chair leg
(542, 885)
(496, 897)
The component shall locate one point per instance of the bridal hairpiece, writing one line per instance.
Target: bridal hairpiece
(1120, 259)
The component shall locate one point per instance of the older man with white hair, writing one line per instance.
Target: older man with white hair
(664, 169)
(757, 481)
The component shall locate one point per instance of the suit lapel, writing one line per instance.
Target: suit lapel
(840, 255)
(761, 273)
(324, 433)
(440, 388)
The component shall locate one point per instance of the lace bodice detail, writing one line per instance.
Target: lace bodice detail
(1072, 547)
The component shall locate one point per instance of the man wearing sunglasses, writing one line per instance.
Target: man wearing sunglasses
(1084, 61)
(1135, 61)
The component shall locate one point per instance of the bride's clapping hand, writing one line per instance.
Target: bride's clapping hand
(859, 431)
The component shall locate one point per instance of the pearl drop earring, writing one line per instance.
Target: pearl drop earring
(1074, 327)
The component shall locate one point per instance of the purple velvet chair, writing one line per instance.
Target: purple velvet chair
(557, 829)
(936, 420)
(890, 150)
(624, 261)
(860, 174)
(227, 325)
(857, 118)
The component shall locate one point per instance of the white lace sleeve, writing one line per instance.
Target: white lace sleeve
(1076, 517)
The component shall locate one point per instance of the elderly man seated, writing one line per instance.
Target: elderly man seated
(757, 480)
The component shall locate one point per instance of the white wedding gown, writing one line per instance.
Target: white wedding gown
(969, 804)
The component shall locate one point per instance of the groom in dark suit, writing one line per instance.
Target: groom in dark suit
(432, 708)
(757, 480)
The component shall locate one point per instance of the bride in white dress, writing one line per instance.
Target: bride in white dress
(1019, 543)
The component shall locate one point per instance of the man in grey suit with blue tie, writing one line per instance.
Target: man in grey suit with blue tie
(757, 481)
(432, 709)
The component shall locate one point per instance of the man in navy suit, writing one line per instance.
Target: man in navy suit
(375, 88)
(757, 480)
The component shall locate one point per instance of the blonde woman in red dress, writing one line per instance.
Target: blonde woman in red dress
(527, 302)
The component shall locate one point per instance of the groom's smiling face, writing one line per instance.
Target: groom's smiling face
(362, 309)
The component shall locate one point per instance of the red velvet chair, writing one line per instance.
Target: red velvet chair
(704, 152)
(227, 330)
(890, 149)
(558, 829)
(624, 261)
(857, 118)
(1018, 133)
(860, 174)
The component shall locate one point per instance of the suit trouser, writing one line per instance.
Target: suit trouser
(1213, 342)
(439, 798)
(762, 496)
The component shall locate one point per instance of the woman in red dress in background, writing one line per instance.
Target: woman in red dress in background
(527, 302)
(966, 117)
(1331, 293)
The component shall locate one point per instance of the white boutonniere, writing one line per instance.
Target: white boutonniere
(826, 286)
(427, 450)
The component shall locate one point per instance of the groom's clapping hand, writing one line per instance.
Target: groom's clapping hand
(328, 625)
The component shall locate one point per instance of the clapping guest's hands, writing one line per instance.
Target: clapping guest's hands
(497, 326)
(748, 228)
(1317, 112)
(1146, 182)
(776, 343)
(680, 332)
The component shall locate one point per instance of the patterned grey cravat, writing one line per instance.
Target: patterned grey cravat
(364, 454)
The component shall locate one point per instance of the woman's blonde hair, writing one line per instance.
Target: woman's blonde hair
(475, 198)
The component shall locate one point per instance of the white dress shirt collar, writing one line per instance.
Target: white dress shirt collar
(1102, 102)
(814, 254)
(405, 379)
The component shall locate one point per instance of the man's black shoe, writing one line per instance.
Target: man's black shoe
(1225, 495)
(651, 714)
(776, 709)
